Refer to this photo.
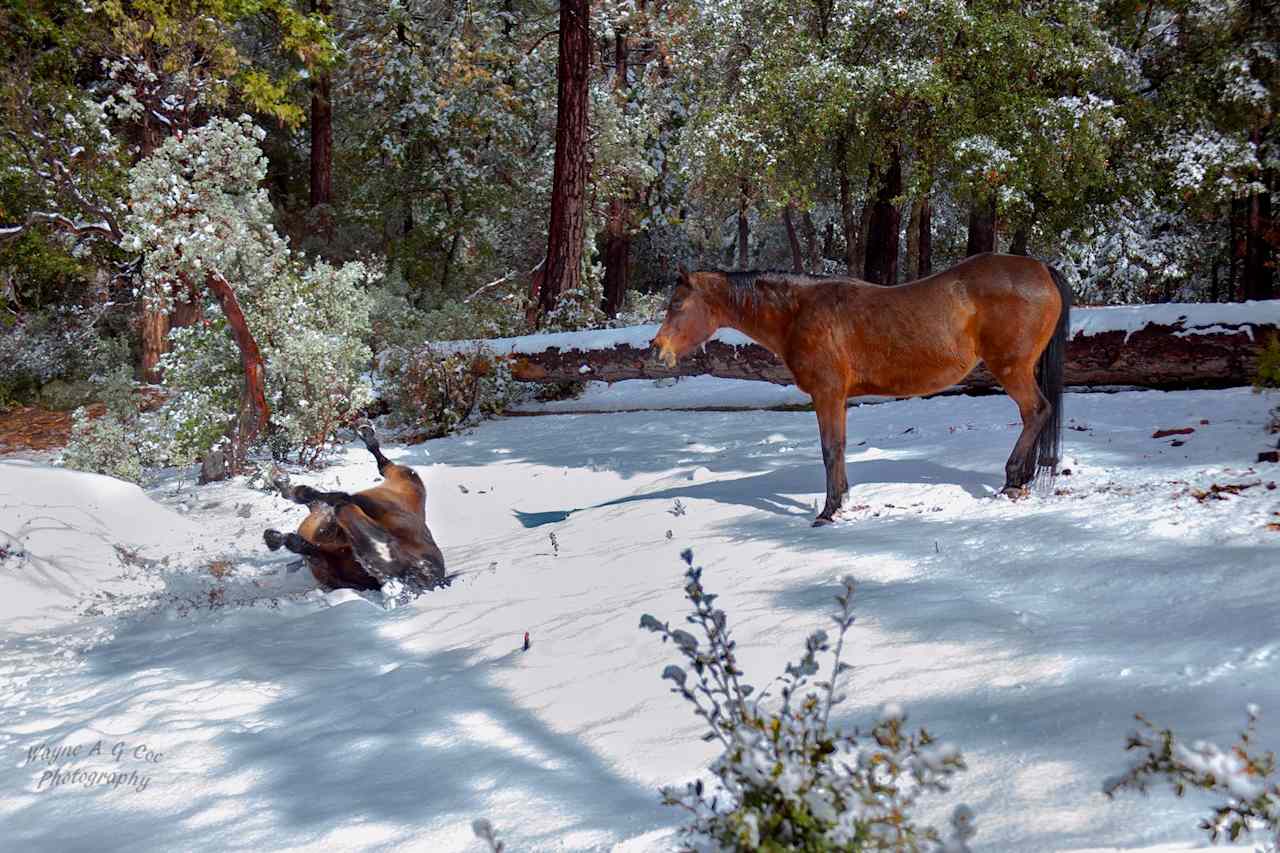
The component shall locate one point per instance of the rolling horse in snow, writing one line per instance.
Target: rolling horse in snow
(844, 337)
(362, 540)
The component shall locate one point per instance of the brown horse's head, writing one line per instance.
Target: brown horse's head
(690, 320)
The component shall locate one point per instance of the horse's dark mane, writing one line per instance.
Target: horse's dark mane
(750, 289)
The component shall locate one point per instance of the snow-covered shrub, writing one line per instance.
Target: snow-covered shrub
(115, 444)
(578, 308)
(198, 210)
(642, 308)
(434, 391)
(312, 327)
(39, 347)
(1246, 777)
(788, 779)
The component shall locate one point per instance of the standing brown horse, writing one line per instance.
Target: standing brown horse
(362, 540)
(843, 337)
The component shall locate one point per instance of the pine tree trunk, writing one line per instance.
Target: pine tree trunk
(617, 259)
(925, 266)
(1020, 239)
(847, 221)
(617, 247)
(744, 229)
(813, 247)
(569, 178)
(254, 411)
(321, 142)
(797, 257)
(881, 265)
(982, 227)
(913, 239)
(1258, 269)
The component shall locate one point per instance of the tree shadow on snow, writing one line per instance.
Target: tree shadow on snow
(357, 731)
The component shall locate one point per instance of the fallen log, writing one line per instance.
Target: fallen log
(1172, 346)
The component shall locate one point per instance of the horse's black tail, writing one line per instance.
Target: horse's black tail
(1049, 375)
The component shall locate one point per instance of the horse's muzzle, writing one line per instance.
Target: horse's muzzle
(664, 352)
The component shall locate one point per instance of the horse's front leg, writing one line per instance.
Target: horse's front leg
(831, 429)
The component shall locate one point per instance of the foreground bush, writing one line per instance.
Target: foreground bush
(1246, 777)
(788, 780)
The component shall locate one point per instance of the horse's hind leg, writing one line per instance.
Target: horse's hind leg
(832, 416)
(1020, 384)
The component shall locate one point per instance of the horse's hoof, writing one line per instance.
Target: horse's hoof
(367, 434)
(302, 494)
(823, 521)
(274, 539)
(1014, 493)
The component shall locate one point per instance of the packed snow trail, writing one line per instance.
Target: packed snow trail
(1026, 632)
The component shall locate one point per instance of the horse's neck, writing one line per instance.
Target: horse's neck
(766, 319)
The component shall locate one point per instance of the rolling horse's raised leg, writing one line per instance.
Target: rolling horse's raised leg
(1020, 384)
(831, 429)
(370, 439)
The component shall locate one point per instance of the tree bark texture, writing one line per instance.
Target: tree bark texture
(322, 139)
(155, 326)
(797, 256)
(744, 229)
(617, 246)
(617, 258)
(982, 227)
(569, 177)
(925, 263)
(254, 411)
(813, 248)
(881, 266)
(1153, 357)
(849, 224)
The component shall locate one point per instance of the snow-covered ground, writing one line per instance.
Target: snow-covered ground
(285, 719)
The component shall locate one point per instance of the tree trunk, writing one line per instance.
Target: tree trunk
(797, 257)
(569, 177)
(1257, 280)
(744, 229)
(254, 411)
(913, 239)
(155, 341)
(188, 309)
(847, 222)
(982, 227)
(617, 247)
(1020, 239)
(321, 142)
(925, 266)
(617, 259)
(813, 247)
(881, 266)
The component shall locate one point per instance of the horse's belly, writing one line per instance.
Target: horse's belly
(911, 380)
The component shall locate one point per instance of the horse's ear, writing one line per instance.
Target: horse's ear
(684, 273)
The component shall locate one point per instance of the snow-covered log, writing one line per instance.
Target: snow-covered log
(1154, 346)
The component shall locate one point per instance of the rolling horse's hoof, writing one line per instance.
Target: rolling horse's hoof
(367, 434)
(1014, 493)
(823, 521)
(273, 539)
